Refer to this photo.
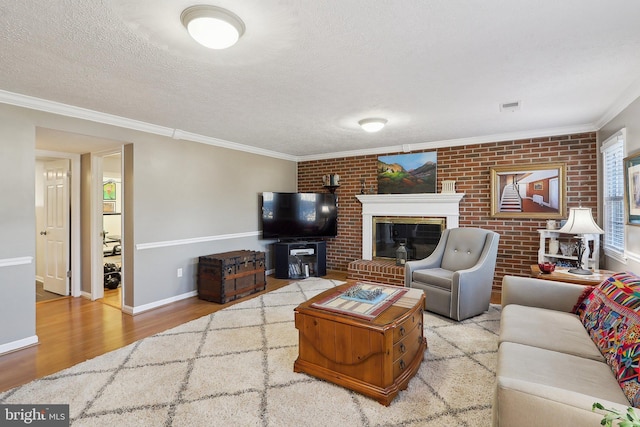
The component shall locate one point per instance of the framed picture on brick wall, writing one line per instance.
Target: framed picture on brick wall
(531, 191)
(407, 173)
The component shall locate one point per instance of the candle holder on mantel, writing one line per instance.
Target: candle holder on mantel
(331, 182)
(448, 187)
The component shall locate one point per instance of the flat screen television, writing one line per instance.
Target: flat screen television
(299, 215)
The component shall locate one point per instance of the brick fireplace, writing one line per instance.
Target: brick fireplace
(414, 207)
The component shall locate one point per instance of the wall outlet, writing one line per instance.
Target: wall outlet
(180, 272)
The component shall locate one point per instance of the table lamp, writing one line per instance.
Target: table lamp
(580, 222)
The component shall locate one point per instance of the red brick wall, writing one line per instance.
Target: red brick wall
(470, 167)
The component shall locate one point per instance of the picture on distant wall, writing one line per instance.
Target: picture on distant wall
(109, 190)
(407, 173)
(532, 191)
(108, 207)
(632, 193)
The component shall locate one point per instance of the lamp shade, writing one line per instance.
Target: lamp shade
(581, 222)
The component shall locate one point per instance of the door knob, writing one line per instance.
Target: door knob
(43, 233)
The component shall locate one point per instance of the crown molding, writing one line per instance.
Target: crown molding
(623, 101)
(53, 107)
(61, 109)
(194, 137)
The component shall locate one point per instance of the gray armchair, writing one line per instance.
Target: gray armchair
(457, 278)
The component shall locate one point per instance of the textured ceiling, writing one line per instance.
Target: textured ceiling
(306, 71)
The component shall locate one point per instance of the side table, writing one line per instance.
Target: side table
(563, 275)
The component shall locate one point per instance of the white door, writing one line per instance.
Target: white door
(553, 193)
(56, 223)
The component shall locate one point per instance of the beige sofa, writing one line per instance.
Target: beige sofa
(549, 371)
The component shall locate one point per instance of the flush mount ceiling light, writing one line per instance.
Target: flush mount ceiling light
(212, 26)
(372, 125)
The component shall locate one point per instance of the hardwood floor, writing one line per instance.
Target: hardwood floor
(72, 330)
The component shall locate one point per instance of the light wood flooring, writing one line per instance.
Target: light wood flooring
(72, 330)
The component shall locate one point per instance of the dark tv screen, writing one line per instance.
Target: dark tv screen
(299, 215)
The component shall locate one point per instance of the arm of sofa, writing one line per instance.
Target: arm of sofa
(525, 404)
(560, 296)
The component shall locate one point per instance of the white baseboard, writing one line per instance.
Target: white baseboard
(146, 307)
(127, 309)
(18, 345)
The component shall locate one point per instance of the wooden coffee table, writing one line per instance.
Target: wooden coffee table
(374, 357)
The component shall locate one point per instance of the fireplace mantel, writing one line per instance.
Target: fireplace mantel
(445, 205)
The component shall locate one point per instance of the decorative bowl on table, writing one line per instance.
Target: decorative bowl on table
(547, 267)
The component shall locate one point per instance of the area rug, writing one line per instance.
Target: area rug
(235, 368)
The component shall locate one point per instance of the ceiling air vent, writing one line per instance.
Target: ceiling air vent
(510, 106)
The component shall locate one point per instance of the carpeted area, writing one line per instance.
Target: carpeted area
(235, 368)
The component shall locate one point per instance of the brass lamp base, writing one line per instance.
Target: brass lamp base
(579, 269)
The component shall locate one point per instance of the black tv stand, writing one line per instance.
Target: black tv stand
(301, 259)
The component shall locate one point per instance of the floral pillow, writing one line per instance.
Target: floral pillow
(611, 315)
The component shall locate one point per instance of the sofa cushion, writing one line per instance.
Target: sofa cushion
(549, 329)
(583, 296)
(559, 370)
(610, 315)
(622, 288)
(434, 276)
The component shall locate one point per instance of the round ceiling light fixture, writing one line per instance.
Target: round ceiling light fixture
(212, 26)
(373, 124)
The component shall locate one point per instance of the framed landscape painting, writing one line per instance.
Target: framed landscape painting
(531, 191)
(407, 173)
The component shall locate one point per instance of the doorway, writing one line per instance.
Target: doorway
(112, 228)
(85, 203)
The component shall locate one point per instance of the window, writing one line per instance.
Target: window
(613, 195)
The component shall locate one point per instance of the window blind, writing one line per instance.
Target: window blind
(613, 189)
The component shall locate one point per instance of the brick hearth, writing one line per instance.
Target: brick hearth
(378, 270)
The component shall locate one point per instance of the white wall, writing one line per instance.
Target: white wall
(186, 200)
(17, 228)
(629, 118)
(191, 200)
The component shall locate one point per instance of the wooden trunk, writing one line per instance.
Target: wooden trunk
(374, 357)
(231, 275)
